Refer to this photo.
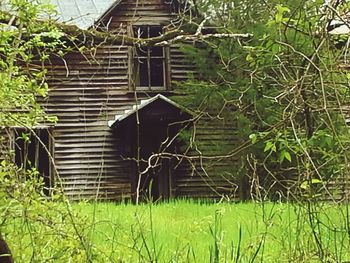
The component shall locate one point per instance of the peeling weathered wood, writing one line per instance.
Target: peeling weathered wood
(87, 89)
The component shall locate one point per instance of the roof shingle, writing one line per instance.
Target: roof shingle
(82, 13)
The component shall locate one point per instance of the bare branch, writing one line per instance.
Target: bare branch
(91, 36)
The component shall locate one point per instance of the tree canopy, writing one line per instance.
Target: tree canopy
(272, 67)
(286, 88)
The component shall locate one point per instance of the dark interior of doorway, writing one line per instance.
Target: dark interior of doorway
(31, 151)
(156, 183)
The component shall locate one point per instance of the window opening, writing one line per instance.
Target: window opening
(149, 62)
(31, 152)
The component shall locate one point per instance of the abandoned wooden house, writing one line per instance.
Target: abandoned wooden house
(115, 111)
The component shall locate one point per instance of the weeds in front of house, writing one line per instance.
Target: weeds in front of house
(186, 231)
(40, 230)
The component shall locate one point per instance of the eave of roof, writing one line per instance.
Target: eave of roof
(108, 11)
(144, 104)
(84, 14)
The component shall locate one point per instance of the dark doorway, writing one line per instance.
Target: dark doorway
(32, 149)
(155, 170)
(149, 139)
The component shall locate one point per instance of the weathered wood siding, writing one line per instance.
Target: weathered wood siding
(148, 12)
(212, 173)
(5, 142)
(87, 90)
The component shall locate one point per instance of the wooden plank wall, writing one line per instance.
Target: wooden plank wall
(5, 142)
(148, 12)
(213, 173)
(87, 90)
(212, 178)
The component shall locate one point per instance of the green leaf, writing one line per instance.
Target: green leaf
(253, 137)
(249, 58)
(280, 12)
(285, 155)
(268, 146)
(304, 185)
(41, 92)
(315, 181)
(282, 9)
(278, 17)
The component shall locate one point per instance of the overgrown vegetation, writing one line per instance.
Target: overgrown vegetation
(43, 230)
(188, 231)
(285, 90)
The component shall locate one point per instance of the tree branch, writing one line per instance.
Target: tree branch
(91, 36)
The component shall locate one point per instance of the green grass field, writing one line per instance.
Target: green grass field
(187, 231)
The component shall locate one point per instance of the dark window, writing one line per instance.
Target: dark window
(32, 150)
(149, 62)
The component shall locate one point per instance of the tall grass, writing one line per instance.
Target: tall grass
(183, 231)
(186, 231)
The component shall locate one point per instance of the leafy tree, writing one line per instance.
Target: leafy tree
(20, 85)
(284, 84)
(27, 216)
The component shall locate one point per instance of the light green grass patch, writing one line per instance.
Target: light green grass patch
(185, 231)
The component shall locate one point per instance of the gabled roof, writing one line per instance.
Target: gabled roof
(146, 104)
(86, 13)
(83, 13)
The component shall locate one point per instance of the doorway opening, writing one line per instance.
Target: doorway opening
(149, 135)
(32, 149)
(154, 175)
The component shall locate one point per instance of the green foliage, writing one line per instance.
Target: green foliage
(50, 231)
(40, 228)
(21, 84)
(18, 97)
(283, 87)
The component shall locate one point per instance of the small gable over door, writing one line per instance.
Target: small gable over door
(150, 135)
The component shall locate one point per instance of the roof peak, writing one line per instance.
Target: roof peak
(144, 103)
